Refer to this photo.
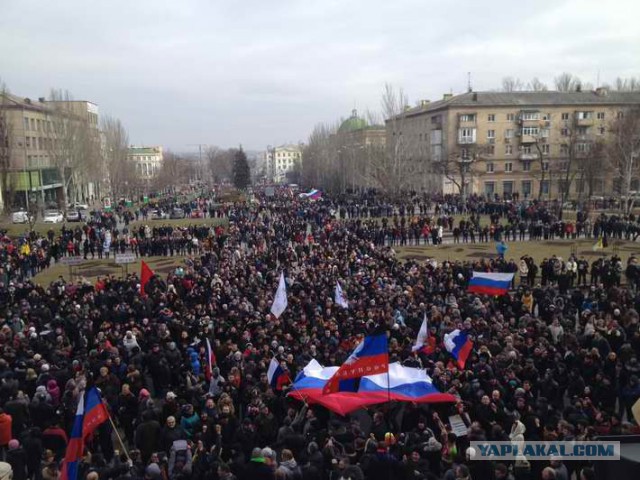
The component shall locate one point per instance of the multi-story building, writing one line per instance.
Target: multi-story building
(147, 161)
(45, 145)
(512, 144)
(280, 160)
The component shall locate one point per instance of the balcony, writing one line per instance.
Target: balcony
(466, 140)
(528, 139)
(527, 156)
(584, 122)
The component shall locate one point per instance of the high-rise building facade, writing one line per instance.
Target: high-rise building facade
(147, 161)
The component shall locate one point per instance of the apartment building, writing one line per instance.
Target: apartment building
(280, 160)
(40, 136)
(147, 161)
(513, 144)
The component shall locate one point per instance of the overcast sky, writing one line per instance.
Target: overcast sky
(260, 72)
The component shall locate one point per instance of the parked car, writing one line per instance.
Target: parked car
(176, 213)
(73, 216)
(21, 216)
(78, 206)
(53, 216)
(158, 215)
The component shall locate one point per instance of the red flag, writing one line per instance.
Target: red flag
(145, 275)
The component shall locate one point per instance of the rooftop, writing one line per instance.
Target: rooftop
(529, 99)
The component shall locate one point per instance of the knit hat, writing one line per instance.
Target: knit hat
(153, 471)
(13, 444)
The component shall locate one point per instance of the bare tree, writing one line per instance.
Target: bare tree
(320, 164)
(566, 82)
(6, 185)
(120, 168)
(511, 84)
(536, 85)
(74, 146)
(220, 163)
(630, 84)
(623, 151)
(590, 169)
(175, 170)
(460, 166)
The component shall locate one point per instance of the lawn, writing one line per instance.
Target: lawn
(91, 269)
(537, 250)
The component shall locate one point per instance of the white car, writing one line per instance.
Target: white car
(21, 216)
(53, 216)
(78, 206)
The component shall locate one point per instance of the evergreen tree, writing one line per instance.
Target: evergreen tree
(241, 170)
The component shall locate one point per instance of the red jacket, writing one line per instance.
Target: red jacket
(5, 429)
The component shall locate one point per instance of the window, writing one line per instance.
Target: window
(464, 154)
(39, 125)
(530, 116)
(601, 130)
(564, 149)
(531, 131)
(600, 115)
(436, 152)
(508, 149)
(508, 167)
(564, 132)
(582, 147)
(545, 149)
(33, 124)
(545, 166)
(507, 188)
(546, 116)
(526, 188)
(489, 188)
(28, 142)
(26, 123)
(527, 149)
(544, 133)
(436, 137)
(468, 117)
(490, 167)
(467, 135)
(526, 166)
(620, 114)
(420, 137)
(583, 130)
(436, 119)
(511, 117)
(491, 134)
(491, 117)
(565, 116)
(491, 150)
(508, 133)
(544, 187)
(584, 115)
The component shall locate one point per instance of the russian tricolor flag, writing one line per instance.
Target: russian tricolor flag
(277, 376)
(312, 194)
(90, 414)
(370, 357)
(458, 345)
(490, 283)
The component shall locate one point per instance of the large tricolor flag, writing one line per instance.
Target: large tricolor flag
(340, 299)
(280, 301)
(406, 384)
(370, 357)
(90, 414)
(424, 342)
(490, 283)
(278, 377)
(313, 194)
(145, 275)
(458, 345)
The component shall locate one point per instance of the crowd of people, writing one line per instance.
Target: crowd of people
(556, 358)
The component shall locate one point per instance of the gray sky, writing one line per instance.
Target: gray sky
(260, 72)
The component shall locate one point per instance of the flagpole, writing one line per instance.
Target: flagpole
(113, 425)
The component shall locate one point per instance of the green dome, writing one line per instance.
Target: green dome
(353, 123)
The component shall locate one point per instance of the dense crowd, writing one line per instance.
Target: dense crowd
(556, 358)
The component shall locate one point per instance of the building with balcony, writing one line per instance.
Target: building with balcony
(147, 161)
(281, 160)
(50, 151)
(511, 144)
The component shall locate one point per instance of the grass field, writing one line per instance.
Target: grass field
(91, 269)
(537, 250)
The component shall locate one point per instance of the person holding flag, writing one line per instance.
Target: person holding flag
(339, 298)
(459, 345)
(277, 375)
(146, 274)
(280, 300)
(425, 343)
(370, 357)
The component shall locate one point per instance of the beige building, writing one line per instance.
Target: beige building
(41, 159)
(147, 161)
(280, 160)
(511, 144)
